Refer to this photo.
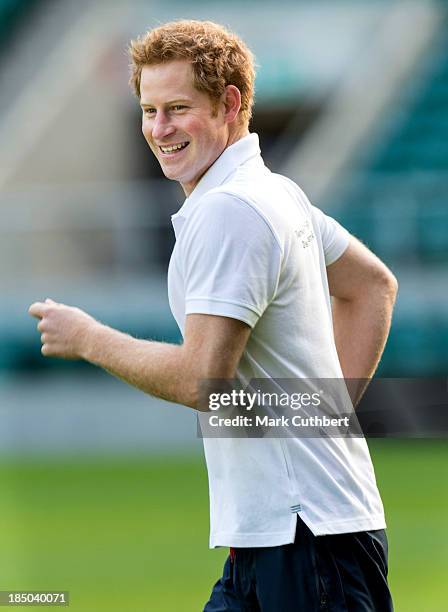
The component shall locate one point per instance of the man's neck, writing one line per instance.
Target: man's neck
(236, 134)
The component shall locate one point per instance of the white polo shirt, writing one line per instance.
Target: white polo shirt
(250, 246)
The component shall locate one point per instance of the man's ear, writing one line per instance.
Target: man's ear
(232, 103)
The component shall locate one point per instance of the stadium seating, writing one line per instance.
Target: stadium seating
(398, 206)
(10, 13)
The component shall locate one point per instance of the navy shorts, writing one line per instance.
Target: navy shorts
(337, 573)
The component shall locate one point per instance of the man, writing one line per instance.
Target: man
(249, 282)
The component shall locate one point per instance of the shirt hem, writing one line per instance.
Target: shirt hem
(351, 525)
(252, 540)
(265, 540)
(336, 251)
(221, 308)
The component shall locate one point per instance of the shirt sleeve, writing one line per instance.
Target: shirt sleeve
(231, 259)
(335, 238)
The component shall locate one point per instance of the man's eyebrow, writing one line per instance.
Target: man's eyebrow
(175, 101)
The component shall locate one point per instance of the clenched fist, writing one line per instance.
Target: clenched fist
(65, 330)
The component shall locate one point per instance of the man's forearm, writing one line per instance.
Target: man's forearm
(154, 367)
(361, 328)
(211, 349)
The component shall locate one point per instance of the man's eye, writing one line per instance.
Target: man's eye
(149, 111)
(177, 107)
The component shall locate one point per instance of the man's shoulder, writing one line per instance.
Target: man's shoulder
(254, 187)
(232, 210)
(230, 201)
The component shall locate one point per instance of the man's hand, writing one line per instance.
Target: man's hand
(64, 329)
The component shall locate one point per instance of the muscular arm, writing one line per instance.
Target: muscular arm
(363, 294)
(212, 348)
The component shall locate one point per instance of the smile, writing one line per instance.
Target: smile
(174, 147)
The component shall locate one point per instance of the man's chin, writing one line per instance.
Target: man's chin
(172, 176)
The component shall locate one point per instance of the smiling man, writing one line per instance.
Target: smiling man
(249, 284)
(180, 127)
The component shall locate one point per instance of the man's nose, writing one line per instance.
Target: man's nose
(162, 127)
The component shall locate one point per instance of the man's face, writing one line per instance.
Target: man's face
(178, 122)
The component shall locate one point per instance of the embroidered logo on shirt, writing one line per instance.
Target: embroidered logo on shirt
(305, 234)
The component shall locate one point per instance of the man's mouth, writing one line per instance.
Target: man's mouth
(174, 148)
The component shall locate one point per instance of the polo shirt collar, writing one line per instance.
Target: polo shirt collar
(236, 155)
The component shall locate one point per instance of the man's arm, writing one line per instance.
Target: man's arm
(363, 294)
(212, 348)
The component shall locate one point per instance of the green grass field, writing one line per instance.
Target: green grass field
(132, 536)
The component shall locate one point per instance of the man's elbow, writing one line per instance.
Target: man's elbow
(191, 394)
(192, 401)
(379, 284)
(208, 381)
(389, 284)
(200, 395)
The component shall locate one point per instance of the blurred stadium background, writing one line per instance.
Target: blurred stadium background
(104, 490)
